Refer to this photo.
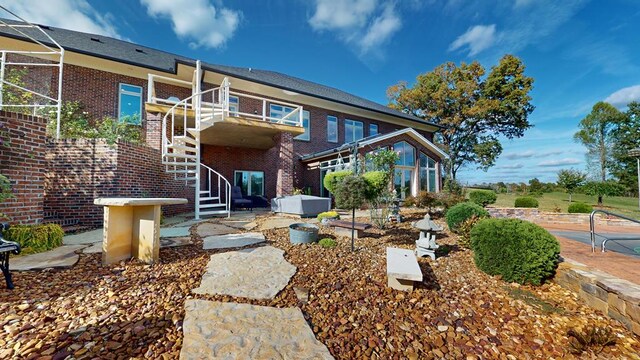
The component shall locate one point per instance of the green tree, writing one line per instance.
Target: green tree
(570, 180)
(473, 109)
(596, 134)
(12, 95)
(535, 186)
(626, 137)
(602, 189)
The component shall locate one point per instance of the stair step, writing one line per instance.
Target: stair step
(183, 164)
(182, 148)
(203, 206)
(188, 178)
(185, 139)
(181, 171)
(180, 156)
(204, 191)
(213, 212)
(210, 198)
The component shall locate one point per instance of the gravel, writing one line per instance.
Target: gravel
(133, 310)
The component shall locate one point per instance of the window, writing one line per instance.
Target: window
(353, 130)
(280, 111)
(306, 123)
(234, 105)
(407, 154)
(373, 129)
(250, 182)
(130, 104)
(403, 177)
(332, 129)
(427, 173)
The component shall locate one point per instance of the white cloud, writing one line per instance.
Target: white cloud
(514, 166)
(559, 162)
(200, 21)
(624, 96)
(520, 155)
(476, 39)
(365, 24)
(76, 15)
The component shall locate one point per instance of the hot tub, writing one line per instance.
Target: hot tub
(303, 205)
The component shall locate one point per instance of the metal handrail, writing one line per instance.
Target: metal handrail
(592, 226)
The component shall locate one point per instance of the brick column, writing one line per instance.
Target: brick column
(153, 130)
(284, 164)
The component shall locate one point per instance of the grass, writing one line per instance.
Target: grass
(559, 200)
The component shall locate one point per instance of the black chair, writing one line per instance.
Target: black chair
(238, 201)
(6, 248)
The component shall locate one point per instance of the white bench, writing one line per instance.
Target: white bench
(132, 228)
(402, 269)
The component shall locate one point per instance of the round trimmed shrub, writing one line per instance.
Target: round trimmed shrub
(483, 197)
(332, 179)
(517, 250)
(377, 182)
(463, 211)
(327, 243)
(526, 202)
(580, 208)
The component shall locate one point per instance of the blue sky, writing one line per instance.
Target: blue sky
(578, 51)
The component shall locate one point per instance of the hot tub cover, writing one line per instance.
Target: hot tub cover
(303, 205)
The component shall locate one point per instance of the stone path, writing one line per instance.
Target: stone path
(63, 256)
(232, 240)
(258, 273)
(215, 330)
(210, 229)
(277, 222)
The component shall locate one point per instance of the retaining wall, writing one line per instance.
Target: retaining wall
(547, 217)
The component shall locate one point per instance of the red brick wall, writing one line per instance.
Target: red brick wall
(22, 162)
(81, 170)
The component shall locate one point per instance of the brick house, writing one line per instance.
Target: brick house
(221, 126)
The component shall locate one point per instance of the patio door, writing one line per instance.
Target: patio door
(250, 182)
(403, 181)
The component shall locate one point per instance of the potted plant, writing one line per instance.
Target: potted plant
(303, 233)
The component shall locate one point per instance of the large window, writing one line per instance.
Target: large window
(332, 129)
(373, 129)
(403, 177)
(251, 182)
(428, 177)
(130, 104)
(353, 130)
(306, 123)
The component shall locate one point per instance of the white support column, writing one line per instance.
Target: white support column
(2, 61)
(59, 93)
(198, 118)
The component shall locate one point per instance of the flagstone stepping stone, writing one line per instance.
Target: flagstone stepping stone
(258, 273)
(216, 330)
(209, 229)
(174, 232)
(164, 242)
(232, 240)
(278, 223)
(240, 224)
(60, 257)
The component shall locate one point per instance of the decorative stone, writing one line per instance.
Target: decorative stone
(174, 232)
(60, 257)
(210, 229)
(175, 241)
(302, 294)
(252, 273)
(278, 223)
(215, 330)
(232, 240)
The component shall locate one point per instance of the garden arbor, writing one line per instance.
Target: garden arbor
(636, 154)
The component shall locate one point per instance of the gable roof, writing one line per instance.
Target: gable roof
(137, 55)
(370, 140)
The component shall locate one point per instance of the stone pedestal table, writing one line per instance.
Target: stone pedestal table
(132, 228)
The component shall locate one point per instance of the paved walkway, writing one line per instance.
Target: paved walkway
(575, 244)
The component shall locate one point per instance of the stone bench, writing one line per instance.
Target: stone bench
(132, 228)
(343, 227)
(402, 269)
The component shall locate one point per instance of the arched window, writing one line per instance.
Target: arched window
(407, 154)
(405, 167)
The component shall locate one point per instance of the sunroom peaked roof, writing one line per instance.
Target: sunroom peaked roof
(133, 54)
(371, 140)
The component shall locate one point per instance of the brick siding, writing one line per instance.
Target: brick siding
(22, 161)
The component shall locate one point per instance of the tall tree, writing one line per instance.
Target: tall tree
(626, 137)
(596, 134)
(473, 109)
(570, 180)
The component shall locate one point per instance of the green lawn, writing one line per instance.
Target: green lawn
(553, 201)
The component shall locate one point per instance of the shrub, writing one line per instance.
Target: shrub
(328, 215)
(327, 243)
(517, 250)
(580, 208)
(350, 192)
(448, 200)
(526, 202)
(410, 201)
(377, 182)
(461, 212)
(35, 238)
(333, 178)
(483, 197)
(464, 231)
